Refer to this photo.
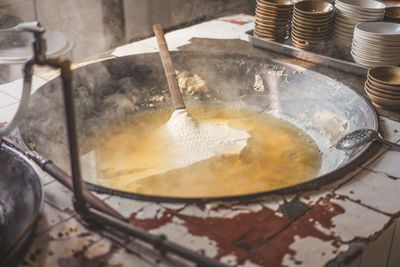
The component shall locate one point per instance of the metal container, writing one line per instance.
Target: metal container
(21, 203)
(13, 54)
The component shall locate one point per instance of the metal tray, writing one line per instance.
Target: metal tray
(329, 55)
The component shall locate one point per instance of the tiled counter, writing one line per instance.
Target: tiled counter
(356, 216)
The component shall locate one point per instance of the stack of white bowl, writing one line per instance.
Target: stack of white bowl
(351, 12)
(376, 44)
(383, 87)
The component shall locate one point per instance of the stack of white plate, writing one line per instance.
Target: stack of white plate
(351, 12)
(273, 19)
(376, 44)
(383, 87)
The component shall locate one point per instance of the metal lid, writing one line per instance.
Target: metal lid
(57, 45)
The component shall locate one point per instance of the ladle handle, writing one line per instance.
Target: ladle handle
(392, 145)
(168, 67)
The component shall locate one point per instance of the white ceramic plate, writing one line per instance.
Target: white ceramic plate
(350, 21)
(362, 5)
(374, 41)
(387, 75)
(344, 34)
(354, 20)
(388, 29)
(277, 3)
(368, 55)
(373, 63)
(348, 11)
(344, 29)
(360, 16)
(364, 45)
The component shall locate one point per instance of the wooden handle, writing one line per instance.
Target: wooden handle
(168, 67)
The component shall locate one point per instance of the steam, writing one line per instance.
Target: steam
(273, 93)
(110, 92)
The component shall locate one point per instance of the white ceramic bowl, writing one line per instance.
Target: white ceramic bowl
(344, 30)
(384, 29)
(377, 39)
(383, 88)
(375, 48)
(277, 3)
(344, 34)
(383, 102)
(353, 20)
(344, 25)
(365, 55)
(379, 54)
(371, 89)
(350, 22)
(313, 8)
(342, 38)
(373, 55)
(359, 13)
(386, 75)
(372, 63)
(362, 5)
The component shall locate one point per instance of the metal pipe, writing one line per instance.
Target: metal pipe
(80, 203)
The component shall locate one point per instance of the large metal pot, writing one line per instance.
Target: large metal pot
(21, 203)
(115, 89)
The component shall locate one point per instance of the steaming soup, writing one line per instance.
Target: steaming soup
(276, 155)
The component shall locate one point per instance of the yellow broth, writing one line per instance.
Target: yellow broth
(277, 155)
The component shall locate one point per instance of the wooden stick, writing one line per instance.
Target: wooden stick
(168, 67)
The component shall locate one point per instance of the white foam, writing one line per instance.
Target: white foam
(200, 141)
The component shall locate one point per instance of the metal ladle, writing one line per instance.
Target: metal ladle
(360, 137)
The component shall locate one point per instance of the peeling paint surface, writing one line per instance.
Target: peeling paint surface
(354, 222)
(319, 252)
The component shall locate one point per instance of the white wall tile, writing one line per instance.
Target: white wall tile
(14, 88)
(369, 188)
(388, 163)
(6, 100)
(8, 112)
(391, 129)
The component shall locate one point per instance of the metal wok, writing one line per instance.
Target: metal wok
(21, 202)
(113, 90)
